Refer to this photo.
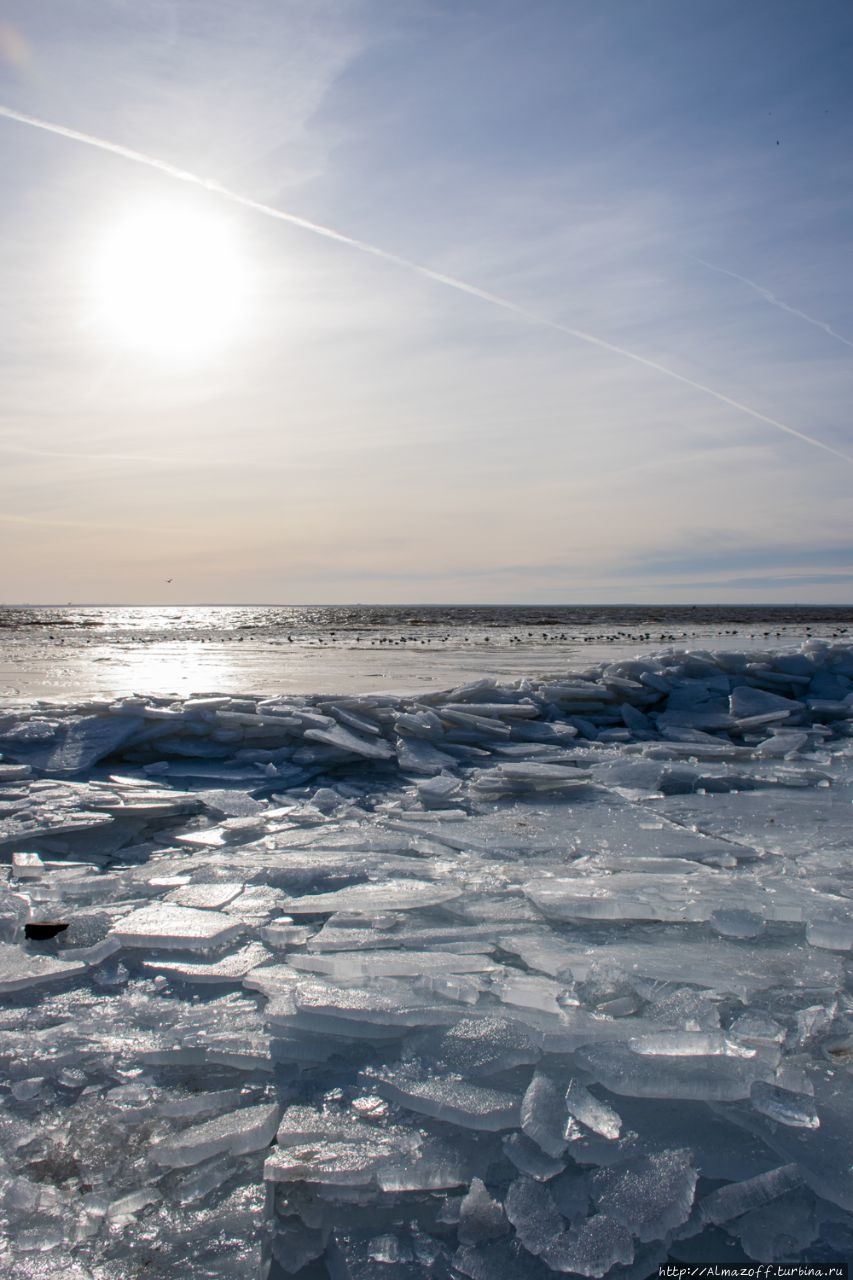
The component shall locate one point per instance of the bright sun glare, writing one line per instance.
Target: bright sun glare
(171, 281)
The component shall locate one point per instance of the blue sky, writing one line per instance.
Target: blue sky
(670, 179)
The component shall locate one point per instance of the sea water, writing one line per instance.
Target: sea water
(73, 651)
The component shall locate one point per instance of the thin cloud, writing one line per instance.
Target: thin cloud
(160, 460)
(452, 282)
(27, 451)
(91, 525)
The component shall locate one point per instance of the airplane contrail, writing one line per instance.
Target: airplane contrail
(769, 296)
(452, 282)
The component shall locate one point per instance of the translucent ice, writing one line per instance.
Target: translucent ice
(532, 1212)
(688, 1044)
(231, 968)
(415, 755)
(177, 928)
(20, 970)
(591, 1111)
(347, 740)
(481, 1046)
(831, 934)
(337, 1150)
(649, 1195)
(530, 1159)
(739, 1197)
(509, 779)
(450, 1099)
(716, 1078)
(480, 1217)
(543, 1115)
(463, 944)
(27, 866)
(395, 895)
(592, 1249)
(238, 1132)
(74, 747)
(782, 1229)
(339, 1164)
(784, 1106)
(351, 964)
(212, 896)
(194, 1105)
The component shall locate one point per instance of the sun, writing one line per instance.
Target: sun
(172, 281)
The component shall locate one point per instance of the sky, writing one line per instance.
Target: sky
(584, 331)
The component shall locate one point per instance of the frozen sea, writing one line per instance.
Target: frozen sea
(424, 944)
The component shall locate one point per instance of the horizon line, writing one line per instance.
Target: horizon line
(429, 604)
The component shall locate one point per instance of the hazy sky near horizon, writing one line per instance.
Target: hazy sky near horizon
(260, 413)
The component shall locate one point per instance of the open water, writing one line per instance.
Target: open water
(104, 651)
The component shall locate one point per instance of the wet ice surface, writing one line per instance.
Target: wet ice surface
(91, 651)
(550, 978)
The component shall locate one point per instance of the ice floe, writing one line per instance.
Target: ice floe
(509, 981)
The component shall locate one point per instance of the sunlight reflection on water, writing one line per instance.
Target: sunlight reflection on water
(85, 652)
(167, 668)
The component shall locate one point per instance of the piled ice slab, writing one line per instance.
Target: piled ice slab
(509, 981)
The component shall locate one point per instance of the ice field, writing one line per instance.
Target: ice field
(508, 981)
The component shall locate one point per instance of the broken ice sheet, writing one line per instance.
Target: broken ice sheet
(165, 926)
(715, 1078)
(594, 1114)
(385, 1003)
(544, 1114)
(591, 1249)
(448, 1098)
(479, 1046)
(739, 1197)
(350, 741)
(352, 964)
(688, 1044)
(481, 1218)
(650, 1195)
(238, 1132)
(530, 1159)
(784, 1106)
(780, 822)
(229, 968)
(715, 963)
(71, 747)
(707, 1033)
(832, 935)
(498, 1260)
(200, 1105)
(388, 895)
(733, 922)
(663, 892)
(210, 896)
(20, 970)
(42, 816)
(532, 1212)
(337, 1149)
(529, 777)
